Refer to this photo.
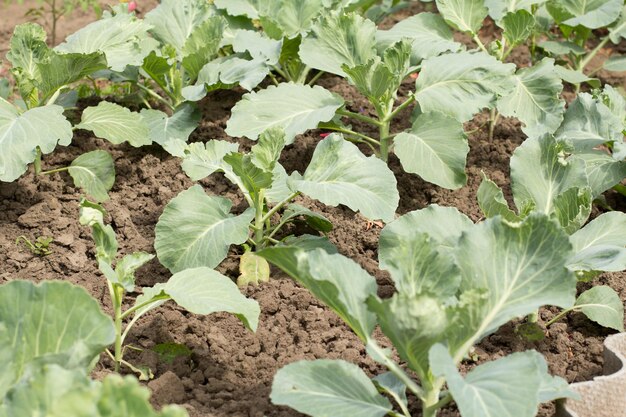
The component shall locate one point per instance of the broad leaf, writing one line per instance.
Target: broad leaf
(534, 274)
(63, 69)
(428, 33)
(540, 171)
(22, 133)
(205, 291)
(201, 160)
(174, 21)
(337, 40)
(295, 108)
(95, 173)
(340, 174)
(615, 63)
(619, 30)
(562, 47)
(588, 123)
(492, 202)
(266, 153)
(295, 17)
(413, 324)
(518, 27)
(249, 8)
(416, 266)
(180, 125)
(572, 208)
(196, 230)
(464, 15)
(536, 100)
(116, 124)
(603, 171)
(602, 305)
(462, 84)
(54, 322)
(313, 219)
(499, 8)
(592, 14)
(328, 387)
(435, 149)
(122, 38)
(334, 279)
(600, 245)
(53, 391)
(507, 387)
(444, 226)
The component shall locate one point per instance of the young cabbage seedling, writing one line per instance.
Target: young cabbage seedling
(36, 123)
(39, 247)
(197, 230)
(62, 332)
(560, 175)
(576, 23)
(452, 86)
(199, 290)
(447, 300)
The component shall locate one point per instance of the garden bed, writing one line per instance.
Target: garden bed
(230, 370)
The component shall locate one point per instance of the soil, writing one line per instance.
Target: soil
(230, 369)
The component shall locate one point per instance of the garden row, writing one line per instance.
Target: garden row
(447, 298)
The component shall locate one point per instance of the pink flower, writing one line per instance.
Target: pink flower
(132, 6)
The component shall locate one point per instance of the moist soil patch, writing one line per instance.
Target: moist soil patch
(229, 371)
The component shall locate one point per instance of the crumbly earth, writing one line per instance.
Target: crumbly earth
(230, 370)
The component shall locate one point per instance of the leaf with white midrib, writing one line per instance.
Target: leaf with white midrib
(196, 230)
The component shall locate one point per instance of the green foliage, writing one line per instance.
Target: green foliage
(40, 247)
(197, 229)
(198, 290)
(447, 300)
(51, 335)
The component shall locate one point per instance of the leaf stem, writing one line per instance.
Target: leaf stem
(365, 138)
(561, 315)
(279, 206)
(316, 77)
(358, 116)
(480, 43)
(155, 95)
(37, 162)
(54, 171)
(401, 107)
(592, 54)
(142, 305)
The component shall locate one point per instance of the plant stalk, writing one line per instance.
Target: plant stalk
(37, 162)
(431, 403)
(385, 140)
(259, 222)
(358, 116)
(54, 171)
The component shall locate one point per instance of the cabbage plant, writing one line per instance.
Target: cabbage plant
(36, 123)
(560, 175)
(453, 85)
(447, 300)
(198, 290)
(52, 335)
(197, 230)
(577, 21)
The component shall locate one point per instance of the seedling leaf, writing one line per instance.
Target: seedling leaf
(94, 172)
(196, 230)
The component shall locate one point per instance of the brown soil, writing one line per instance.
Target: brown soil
(230, 370)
